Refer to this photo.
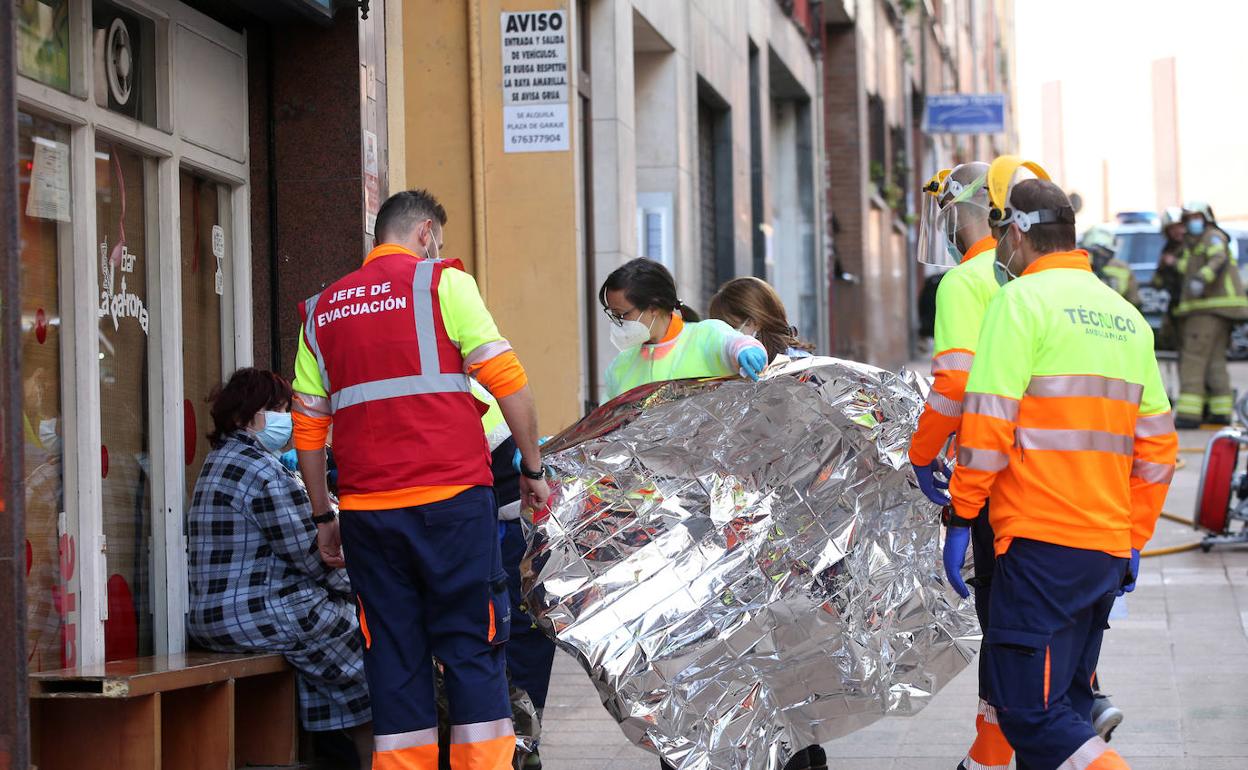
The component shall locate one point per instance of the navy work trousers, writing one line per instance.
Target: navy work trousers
(431, 584)
(1049, 608)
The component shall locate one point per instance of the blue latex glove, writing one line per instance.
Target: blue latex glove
(931, 481)
(515, 459)
(752, 361)
(290, 460)
(1134, 570)
(956, 541)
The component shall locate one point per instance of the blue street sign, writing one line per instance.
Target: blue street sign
(964, 114)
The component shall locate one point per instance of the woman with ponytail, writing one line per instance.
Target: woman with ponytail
(661, 338)
(751, 306)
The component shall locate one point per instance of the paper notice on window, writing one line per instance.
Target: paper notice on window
(535, 81)
(48, 197)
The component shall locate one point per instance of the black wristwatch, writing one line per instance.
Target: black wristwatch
(540, 473)
(951, 519)
(326, 517)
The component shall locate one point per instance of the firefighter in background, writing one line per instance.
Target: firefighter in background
(1102, 247)
(954, 232)
(384, 358)
(1212, 299)
(1066, 423)
(1167, 276)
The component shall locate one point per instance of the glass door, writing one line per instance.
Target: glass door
(51, 559)
(122, 256)
(205, 256)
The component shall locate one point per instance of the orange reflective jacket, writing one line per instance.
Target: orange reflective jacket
(961, 300)
(1065, 422)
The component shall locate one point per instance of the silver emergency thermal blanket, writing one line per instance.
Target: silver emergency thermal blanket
(744, 569)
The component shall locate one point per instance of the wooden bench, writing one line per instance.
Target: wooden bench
(192, 711)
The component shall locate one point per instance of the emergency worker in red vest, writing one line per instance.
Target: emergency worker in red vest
(384, 357)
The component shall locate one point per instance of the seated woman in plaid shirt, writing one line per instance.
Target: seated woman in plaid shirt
(257, 583)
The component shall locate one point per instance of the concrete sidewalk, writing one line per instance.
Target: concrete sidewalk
(1177, 666)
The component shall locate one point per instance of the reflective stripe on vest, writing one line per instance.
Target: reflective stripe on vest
(944, 405)
(1151, 425)
(1153, 473)
(989, 405)
(431, 379)
(411, 385)
(953, 361)
(1083, 385)
(1063, 440)
(309, 336)
(982, 459)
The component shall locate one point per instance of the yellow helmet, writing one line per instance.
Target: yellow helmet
(934, 185)
(1001, 181)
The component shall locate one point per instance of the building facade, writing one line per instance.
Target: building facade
(186, 172)
(881, 60)
(703, 128)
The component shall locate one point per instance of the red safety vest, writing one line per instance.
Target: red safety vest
(403, 412)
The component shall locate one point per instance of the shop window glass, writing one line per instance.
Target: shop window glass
(204, 257)
(50, 551)
(124, 69)
(122, 256)
(43, 41)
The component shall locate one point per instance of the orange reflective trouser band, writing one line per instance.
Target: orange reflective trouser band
(414, 750)
(991, 751)
(428, 585)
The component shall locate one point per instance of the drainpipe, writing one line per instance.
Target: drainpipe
(477, 125)
(14, 708)
(912, 328)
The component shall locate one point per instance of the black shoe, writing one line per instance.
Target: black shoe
(1186, 423)
(1219, 419)
(809, 758)
(1105, 717)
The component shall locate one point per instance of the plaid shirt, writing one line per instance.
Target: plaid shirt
(257, 582)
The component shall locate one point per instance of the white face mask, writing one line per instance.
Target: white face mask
(1003, 270)
(48, 436)
(432, 249)
(630, 334)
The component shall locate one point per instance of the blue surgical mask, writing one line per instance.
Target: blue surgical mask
(276, 433)
(1196, 226)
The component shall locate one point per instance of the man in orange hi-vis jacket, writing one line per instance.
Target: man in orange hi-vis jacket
(1066, 424)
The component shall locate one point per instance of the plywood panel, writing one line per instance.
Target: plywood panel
(81, 733)
(197, 728)
(265, 723)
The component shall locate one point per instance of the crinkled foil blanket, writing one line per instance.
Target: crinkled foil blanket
(744, 569)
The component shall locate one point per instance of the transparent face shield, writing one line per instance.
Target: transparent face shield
(945, 218)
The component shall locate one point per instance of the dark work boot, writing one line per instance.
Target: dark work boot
(809, 758)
